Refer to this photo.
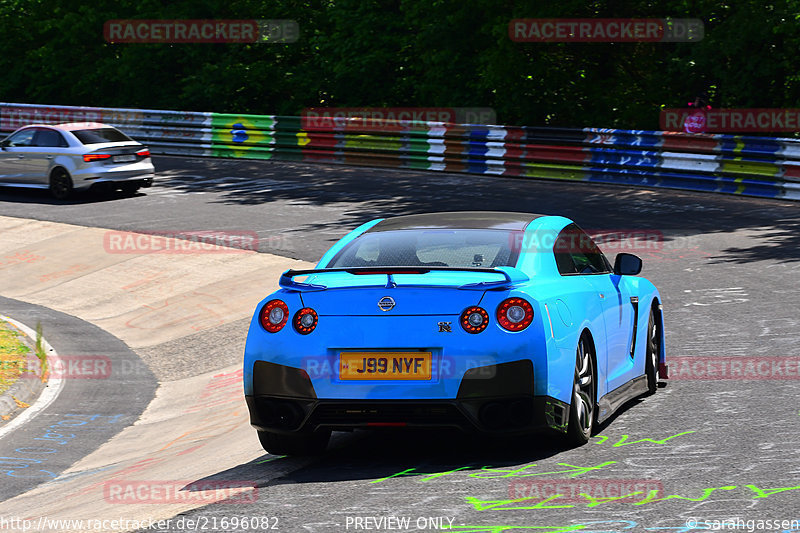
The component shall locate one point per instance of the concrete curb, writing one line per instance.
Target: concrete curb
(196, 427)
(28, 391)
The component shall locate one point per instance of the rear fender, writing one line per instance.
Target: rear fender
(551, 344)
(570, 307)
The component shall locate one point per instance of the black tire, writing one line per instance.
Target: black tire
(652, 353)
(302, 444)
(582, 411)
(60, 184)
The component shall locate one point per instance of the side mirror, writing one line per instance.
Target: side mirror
(627, 265)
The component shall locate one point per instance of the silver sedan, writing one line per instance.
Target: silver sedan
(74, 156)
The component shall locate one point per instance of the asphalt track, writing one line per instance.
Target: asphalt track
(86, 413)
(728, 269)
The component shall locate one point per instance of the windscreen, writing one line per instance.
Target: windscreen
(467, 248)
(100, 135)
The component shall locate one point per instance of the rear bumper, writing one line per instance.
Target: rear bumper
(284, 401)
(101, 184)
(95, 174)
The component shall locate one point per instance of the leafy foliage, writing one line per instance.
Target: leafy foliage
(428, 53)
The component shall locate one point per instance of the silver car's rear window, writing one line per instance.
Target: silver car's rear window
(100, 135)
(452, 248)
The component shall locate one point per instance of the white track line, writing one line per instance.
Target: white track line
(51, 391)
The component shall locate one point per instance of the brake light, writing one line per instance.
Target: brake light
(95, 157)
(474, 319)
(305, 320)
(384, 272)
(274, 315)
(514, 314)
(143, 153)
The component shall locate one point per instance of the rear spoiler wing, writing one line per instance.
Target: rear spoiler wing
(511, 277)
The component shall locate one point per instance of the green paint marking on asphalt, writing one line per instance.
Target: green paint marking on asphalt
(270, 460)
(506, 528)
(652, 496)
(622, 441)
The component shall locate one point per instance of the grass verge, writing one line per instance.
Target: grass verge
(13, 356)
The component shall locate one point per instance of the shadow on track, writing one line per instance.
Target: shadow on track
(42, 196)
(375, 193)
(375, 456)
(378, 455)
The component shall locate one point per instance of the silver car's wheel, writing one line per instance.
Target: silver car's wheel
(582, 409)
(60, 184)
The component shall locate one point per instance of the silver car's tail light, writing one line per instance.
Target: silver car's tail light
(95, 157)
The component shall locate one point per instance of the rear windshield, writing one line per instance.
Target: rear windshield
(453, 248)
(100, 135)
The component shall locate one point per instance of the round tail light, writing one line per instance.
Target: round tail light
(474, 319)
(305, 320)
(514, 314)
(274, 316)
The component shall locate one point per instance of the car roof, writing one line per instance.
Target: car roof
(70, 126)
(28, 126)
(497, 220)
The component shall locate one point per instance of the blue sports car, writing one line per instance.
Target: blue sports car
(501, 323)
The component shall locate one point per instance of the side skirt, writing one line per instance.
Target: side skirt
(24, 185)
(612, 401)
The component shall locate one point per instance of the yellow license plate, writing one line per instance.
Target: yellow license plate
(385, 365)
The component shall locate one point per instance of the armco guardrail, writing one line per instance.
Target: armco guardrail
(752, 166)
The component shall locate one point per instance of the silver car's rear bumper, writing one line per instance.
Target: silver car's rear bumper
(86, 178)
